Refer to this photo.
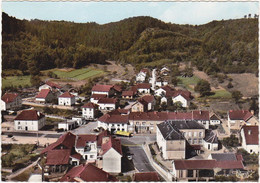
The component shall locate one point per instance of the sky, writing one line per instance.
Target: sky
(194, 13)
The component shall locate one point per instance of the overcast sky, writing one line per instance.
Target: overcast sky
(105, 12)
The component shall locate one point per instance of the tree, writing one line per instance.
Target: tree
(203, 87)
(35, 80)
(237, 95)
(231, 141)
(254, 106)
(230, 85)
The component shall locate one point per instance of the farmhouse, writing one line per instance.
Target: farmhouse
(51, 86)
(127, 94)
(107, 104)
(67, 99)
(44, 96)
(11, 101)
(238, 118)
(89, 111)
(141, 76)
(103, 89)
(184, 97)
(95, 97)
(29, 120)
(250, 139)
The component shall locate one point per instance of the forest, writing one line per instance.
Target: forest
(228, 46)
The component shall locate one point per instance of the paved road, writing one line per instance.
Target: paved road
(140, 159)
(24, 134)
(85, 129)
(138, 140)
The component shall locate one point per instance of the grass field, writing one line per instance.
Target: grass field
(16, 81)
(186, 81)
(77, 74)
(223, 94)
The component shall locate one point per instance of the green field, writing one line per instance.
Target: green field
(77, 74)
(15, 81)
(224, 94)
(187, 81)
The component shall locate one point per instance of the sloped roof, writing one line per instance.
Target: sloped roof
(143, 86)
(180, 115)
(98, 96)
(148, 116)
(76, 156)
(127, 93)
(53, 85)
(29, 115)
(224, 156)
(200, 115)
(230, 164)
(240, 115)
(146, 177)
(118, 88)
(102, 88)
(102, 134)
(67, 139)
(147, 99)
(169, 131)
(251, 134)
(89, 105)
(112, 143)
(211, 137)
(81, 140)
(214, 116)
(66, 95)
(88, 173)
(113, 118)
(107, 101)
(43, 93)
(9, 97)
(167, 88)
(58, 157)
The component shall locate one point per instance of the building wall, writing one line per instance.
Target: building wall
(29, 125)
(12, 105)
(111, 126)
(143, 90)
(181, 99)
(107, 107)
(144, 126)
(210, 146)
(66, 101)
(112, 161)
(88, 113)
(194, 136)
(215, 122)
(138, 107)
(141, 77)
(159, 92)
(89, 155)
(45, 86)
(252, 121)
(164, 100)
(127, 97)
(249, 148)
(93, 100)
(99, 92)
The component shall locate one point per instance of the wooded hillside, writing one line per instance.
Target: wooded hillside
(230, 46)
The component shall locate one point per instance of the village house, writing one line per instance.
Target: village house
(162, 90)
(95, 97)
(238, 118)
(146, 177)
(67, 125)
(87, 173)
(113, 122)
(103, 89)
(51, 86)
(184, 97)
(144, 104)
(139, 106)
(117, 90)
(127, 94)
(203, 170)
(44, 96)
(165, 71)
(250, 139)
(67, 99)
(29, 120)
(141, 88)
(111, 152)
(141, 76)
(10, 101)
(107, 104)
(89, 111)
(214, 119)
(211, 141)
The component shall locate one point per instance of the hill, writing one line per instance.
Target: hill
(230, 46)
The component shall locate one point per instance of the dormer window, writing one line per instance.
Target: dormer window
(249, 132)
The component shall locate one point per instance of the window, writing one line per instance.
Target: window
(189, 140)
(180, 173)
(200, 134)
(200, 141)
(190, 134)
(137, 123)
(190, 173)
(19, 123)
(91, 156)
(195, 141)
(143, 123)
(195, 134)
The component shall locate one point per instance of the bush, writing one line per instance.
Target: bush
(231, 141)
(248, 158)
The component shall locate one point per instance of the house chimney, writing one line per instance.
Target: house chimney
(249, 132)
(252, 112)
(105, 140)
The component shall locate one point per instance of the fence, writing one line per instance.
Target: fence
(164, 173)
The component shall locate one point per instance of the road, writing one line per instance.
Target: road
(140, 159)
(138, 139)
(85, 129)
(25, 134)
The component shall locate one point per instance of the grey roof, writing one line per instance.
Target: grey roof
(187, 124)
(169, 131)
(211, 137)
(224, 156)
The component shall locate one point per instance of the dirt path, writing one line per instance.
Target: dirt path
(18, 172)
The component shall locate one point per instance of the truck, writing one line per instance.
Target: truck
(124, 133)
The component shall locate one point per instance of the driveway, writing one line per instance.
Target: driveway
(85, 129)
(140, 159)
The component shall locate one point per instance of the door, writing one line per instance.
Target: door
(26, 128)
(208, 146)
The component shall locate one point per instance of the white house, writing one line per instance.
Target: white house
(67, 99)
(10, 101)
(210, 141)
(67, 125)
(184, 97)
(238, 118)
(86, 145)
(51, 86)
(214, 119)
(113, 122)
(111, 152)
(29, 120)
(44, 96)
(143, 88)
(89, 111)
(142, 75)
(95, 97)
(160, 92)
(250, 139)
(103, 89)
(107, 104)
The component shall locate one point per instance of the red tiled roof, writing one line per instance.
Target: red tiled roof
(207, 164)
(127, 93)
(147, 99)
(251, 134)
(143, 86)
(145, 70)
(117, 88)
(100, 136)
(53, 85)
(149, 116)
(102, 88)
(194, 164)
(113, 118)
(107, 101)
(89, 105)
(76, 156)
(200, 115)
(43, 93)
(29, 115)
(9, 97)
(183, 93)
(134, 89)
(239, 157)
(146, 177)
(180, 115)
(88, 173)
(167, 88)
(240, 115)
(82, 139)
(66, 95)
(112, 143)
(58, 157)
(68, 140)
(98, 96)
